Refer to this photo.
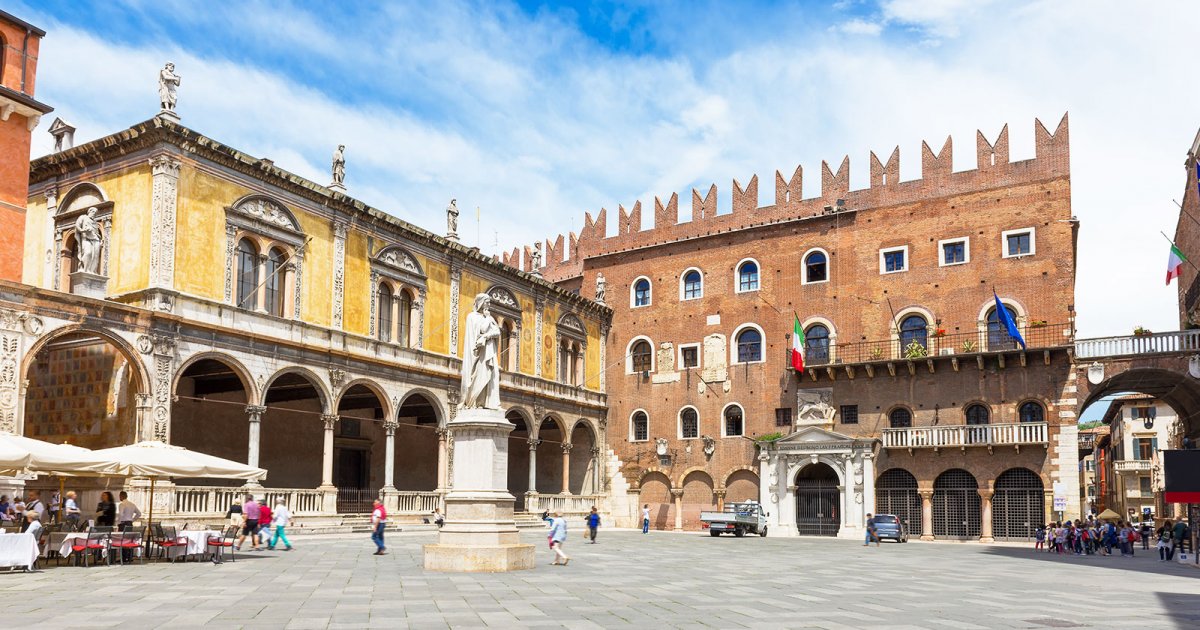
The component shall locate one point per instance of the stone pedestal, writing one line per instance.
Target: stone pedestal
(479, 534)
(89, 284)
(168, 115)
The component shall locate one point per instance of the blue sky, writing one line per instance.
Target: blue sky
(536, 112)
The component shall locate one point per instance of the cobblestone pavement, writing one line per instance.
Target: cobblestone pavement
(659, 580)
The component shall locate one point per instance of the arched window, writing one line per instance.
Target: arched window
(748, 276)
(997, 334)
(639, 427)
(273, 287)
(404, 304)
(816, 344)
(978, 414)
(693, 285)
(641, 355)
(689, 424)
(734, 424)
(385, 312)
(816, 267)
(641, 292)
(914, 329)
(749, 346)
(247, 274)
(1032, 412)
(900, 418)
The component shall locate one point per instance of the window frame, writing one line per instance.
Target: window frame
(679, 423)
(1032, 242)
(688, 346)
(893, 410)
(783, 413)
(633, 428)
(734, 346)
(977, 407)
(633, 292)
(891, 250)
(737, 276)
(383, 330)
(240, 300)
(629, 354)
(966, 243)
(804, 279)
(725, 420)
(683, 285)
(842, 414)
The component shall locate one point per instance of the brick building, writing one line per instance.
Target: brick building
(19, 114)
(915, 399)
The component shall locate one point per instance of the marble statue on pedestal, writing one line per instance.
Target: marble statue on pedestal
(87, 234)
(480, 368)
(601, 287)
(167, 82)
(339, 165)
(452, 220)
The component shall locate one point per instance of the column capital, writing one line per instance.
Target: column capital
(255, 412)
(330, 419)
(533, 443)
(566, 447)
(926, 494)
(720, 493)
(390, 426)
(595, 451)
(677, 493)
(986, 493)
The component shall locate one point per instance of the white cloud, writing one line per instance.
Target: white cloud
(528, 120)
(858, 26)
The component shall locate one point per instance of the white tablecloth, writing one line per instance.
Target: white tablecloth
(63, 541)
(18, 550)
(197, 542)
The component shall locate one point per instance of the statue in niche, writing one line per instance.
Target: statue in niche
(601, 287)
(480, 368)
(339, 165)
(452, 218)
(167, 82)
(87, 235)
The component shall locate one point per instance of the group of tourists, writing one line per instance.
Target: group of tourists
(259, 521)
(1096, 537)
(110, 511)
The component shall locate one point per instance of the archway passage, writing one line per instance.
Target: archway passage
(291, 435)
(656, 495)
(359, 444)
(518, 459)
(82, 391)
(817, 501)
(1018, 505)
(550, 458)
(697, 497)
(896, 494)
(1165, 378)
(208, 414)
(956, 506)
(583, 463)
(417, 444)
(741, 486)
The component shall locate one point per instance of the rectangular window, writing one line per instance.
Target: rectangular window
(1018, 242)
(689, 356)
(954, 251)
(783, 417)
(893, 260)
(1144, 485)
(1145, 448)
(849, 414)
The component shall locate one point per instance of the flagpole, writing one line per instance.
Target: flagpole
(1185, 258)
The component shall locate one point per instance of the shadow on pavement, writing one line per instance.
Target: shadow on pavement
(1143, 561)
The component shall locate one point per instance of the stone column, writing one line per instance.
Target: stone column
(868, 464)
(389, 454)
(926, 514)
(330, 421)
(255, 413)
(596, 487)
(678, 494)
(985, 502)
(720, 496)
(164, 194)
(442, 468)
(533, 446)
(844, 516)
(566, 467)
(144, 404)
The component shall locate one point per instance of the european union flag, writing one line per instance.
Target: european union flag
(1007, 320)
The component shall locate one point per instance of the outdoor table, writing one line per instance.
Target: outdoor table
(63, 540)
(18, 550)
(197, 542)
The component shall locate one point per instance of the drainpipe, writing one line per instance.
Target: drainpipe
(25, 58)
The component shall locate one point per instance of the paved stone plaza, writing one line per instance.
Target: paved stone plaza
(628, 580)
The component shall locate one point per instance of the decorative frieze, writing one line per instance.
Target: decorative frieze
(339, 271)
(539, 304)
(456, 270)
(163, 202)
(230, 245)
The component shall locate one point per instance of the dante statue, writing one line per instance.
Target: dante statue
(601, 287)
(167, 82)
(339, 164)
(87, 234)
(480, 367)
(452, 218)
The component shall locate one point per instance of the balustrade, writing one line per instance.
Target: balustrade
(967, 435)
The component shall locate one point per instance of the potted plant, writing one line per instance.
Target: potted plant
(1037, 323)
(940, 332)
(1140, 331)
(876, 353)
(915, 350)
(969, 346)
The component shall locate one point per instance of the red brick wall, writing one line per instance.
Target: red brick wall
(14, 147)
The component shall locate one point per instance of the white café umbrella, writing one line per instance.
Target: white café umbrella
(158, 460)
(23, 455)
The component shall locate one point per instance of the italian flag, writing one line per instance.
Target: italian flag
(797, 346)
(1174, 266)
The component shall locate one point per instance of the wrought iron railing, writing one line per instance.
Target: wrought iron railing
(967, 435)
(1149, 343)
(356, 500)
(916, 347)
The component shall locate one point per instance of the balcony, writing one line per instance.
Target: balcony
(963, 436)
(1138, 494)
(973, 342)
(1133, 465)
(1155, 343)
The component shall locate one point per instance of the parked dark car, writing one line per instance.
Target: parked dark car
(888, 526)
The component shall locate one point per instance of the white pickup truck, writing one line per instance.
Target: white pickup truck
(738, 518)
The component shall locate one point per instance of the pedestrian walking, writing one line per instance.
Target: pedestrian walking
(1163, 534)
(1144, 534)
(1179, 534)
(556, 538)
(593, 523)
(280, 519)
(378, 522)
(264, 520)
(645, 518)
(872, 535)
(250, 515)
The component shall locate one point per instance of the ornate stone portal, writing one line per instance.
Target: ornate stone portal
(480, 534)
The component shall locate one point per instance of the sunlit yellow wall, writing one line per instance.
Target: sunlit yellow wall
(316, 303)
(471, 286)
(34, 257)
(591, 358)
(550, 341)
(129, 260)
(528, 328)
(357, 289)
(437, 305)
(200, 235)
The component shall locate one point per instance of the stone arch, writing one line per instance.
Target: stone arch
(559, 424)
(81, 196)
(551, 435)
(733, 343)
(229, 361)
(655, 492)
(266, 209)
(804, 279)
(375, 387)
(741, 484)
(518, 454)
(418, 415)
(399, 257)
(988, 305)
(650, 471)
(737, 275)
(583, 469)
(698, 495)
(436, 401)
(316, 381)
(130, 353)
